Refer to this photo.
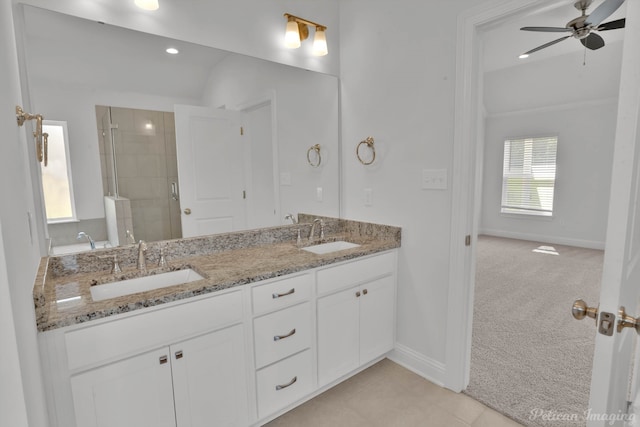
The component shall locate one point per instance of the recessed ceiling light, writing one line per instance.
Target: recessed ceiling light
(147, 4)
(172, 50)
(523, 56)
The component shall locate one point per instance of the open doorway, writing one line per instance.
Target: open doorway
(532, 265)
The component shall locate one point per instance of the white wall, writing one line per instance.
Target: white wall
(583, 177)
(306, 107)
(560, 80)
(397, 72)
(21, 391)
(254, 28)
(560, 96)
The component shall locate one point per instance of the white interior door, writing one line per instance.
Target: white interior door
(610, 386)
(210, 170)
(261, 157)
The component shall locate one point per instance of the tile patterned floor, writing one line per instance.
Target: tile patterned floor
(388, 395)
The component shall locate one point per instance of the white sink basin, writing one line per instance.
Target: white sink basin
(326, 248)
(142, 284)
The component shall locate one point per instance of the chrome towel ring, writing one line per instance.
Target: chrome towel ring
(369, 143)
(318, 158)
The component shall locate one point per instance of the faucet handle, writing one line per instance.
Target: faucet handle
(162, 261)
(115, 268)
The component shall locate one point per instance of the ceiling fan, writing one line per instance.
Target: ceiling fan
(583, 27)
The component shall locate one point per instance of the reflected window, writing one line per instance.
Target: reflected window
(56, 176)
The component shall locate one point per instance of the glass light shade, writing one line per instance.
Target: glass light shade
(320, 43)
(292, 35)
(147, 4)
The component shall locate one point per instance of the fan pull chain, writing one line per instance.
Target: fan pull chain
(584, 59)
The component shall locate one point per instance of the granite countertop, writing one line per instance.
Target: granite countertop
(62, 294)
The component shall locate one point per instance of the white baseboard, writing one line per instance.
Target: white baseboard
(589, 244)
(418, 363)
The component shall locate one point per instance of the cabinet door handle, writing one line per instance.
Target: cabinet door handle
(293, 290)
(179, 354)
(163, 360)
(281, 337)
(364, 292)
(358, 294)
(280, 387)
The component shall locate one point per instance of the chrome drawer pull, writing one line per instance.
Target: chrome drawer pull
(280, 337)
(179, 354)
(274, 296)
(163, 360)
(280, 387)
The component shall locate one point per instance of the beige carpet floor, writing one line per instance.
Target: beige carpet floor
(528, 353)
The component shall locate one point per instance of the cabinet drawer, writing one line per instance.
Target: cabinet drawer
(106, 341)
(284, 383)
(281, 293)
(280, 334)
(345, 275)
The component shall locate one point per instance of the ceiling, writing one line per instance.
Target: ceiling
(504, 41)
(73, 52)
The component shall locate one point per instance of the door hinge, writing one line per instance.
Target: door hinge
(244, 194)
(241, 131)
(467, 240)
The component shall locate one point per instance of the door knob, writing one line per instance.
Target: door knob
(580, 310)
(626, 321)
(187, 211)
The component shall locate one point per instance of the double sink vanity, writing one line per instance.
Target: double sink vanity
(223, 330)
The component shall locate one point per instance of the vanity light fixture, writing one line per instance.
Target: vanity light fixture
(298, 30)
(147, 4)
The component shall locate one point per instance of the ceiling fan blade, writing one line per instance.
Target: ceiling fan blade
(547, 29)
(603, 11)
(612, 25)
(546, 45)
(592, 41)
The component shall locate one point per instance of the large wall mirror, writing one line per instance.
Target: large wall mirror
(160, 134)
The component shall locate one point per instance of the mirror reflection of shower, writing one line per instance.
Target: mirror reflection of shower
(139, 174)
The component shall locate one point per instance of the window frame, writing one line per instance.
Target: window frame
(65, 135)
(523, 211)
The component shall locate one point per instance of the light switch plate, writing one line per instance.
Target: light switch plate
(434, 179)
(319, 194)
(368, 196)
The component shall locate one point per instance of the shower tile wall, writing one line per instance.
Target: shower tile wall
(146, 167)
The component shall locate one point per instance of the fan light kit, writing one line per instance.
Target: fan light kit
(298, 30)
(583, 27)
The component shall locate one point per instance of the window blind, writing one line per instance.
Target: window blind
(529, 175)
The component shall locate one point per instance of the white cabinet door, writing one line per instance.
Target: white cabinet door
(338, 335)
(377, 314)
(209, 379)
(134, 392)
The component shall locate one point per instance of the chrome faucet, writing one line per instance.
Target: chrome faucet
(291, 217)
(82, 235)
(313, 229)
(142, 262)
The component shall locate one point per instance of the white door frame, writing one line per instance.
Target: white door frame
(465, 189)
(268, 97)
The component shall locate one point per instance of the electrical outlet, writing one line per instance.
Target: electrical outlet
(434, 179)
(319, 194)
(368, 197)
